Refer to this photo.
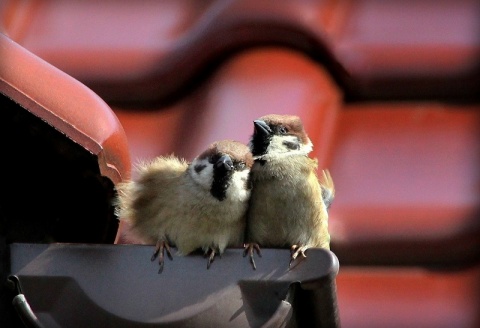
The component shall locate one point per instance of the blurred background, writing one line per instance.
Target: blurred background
(389, 92)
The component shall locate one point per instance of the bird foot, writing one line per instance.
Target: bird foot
(250, 249)
(295, 251)
(160, 248)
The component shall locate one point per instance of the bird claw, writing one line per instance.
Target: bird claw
(295, 251)
(161, 248)
(211, 256)
(250, 249)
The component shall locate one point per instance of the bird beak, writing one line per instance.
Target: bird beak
(224, 162)
(262, 128)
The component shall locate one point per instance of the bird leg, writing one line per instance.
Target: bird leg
(296, 250)
(250, 249)
(161, 247)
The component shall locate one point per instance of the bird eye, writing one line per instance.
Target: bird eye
(283, 130)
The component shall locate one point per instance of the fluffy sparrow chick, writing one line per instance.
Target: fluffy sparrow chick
(194, 205)
(288, 206)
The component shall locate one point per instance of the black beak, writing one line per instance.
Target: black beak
(262, 128)
(224, 162)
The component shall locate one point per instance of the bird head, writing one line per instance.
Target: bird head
(277, 136)
(223, 168)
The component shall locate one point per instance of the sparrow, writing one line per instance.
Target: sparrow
(289, 204)
(197, 205)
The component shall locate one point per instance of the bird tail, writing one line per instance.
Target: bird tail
(328, 188)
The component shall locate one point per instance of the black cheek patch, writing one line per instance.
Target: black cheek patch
(291, 145)
(199, 168)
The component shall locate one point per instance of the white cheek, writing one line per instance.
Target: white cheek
(277, 146)
(205, 176)
(237, 186)
(307, 148)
